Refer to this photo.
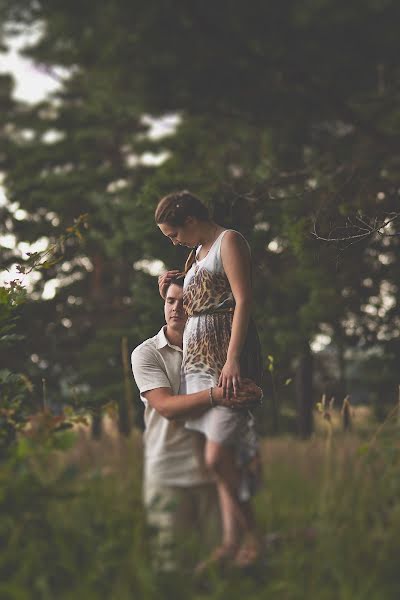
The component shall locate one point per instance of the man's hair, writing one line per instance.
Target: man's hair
(178, 280)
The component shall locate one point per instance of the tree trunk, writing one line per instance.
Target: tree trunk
(342, 370)
(304, 392)
(97, 420)
(125, 404)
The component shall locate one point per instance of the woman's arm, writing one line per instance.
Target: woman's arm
(235, 256)
(165, 279)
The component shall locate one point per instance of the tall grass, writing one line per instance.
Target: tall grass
(72, 522)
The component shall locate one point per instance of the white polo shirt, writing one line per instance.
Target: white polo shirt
(171, 454)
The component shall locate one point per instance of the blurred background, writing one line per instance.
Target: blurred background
(283, 117)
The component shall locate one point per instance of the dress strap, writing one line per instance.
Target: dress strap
(218, 245)
(219, 241)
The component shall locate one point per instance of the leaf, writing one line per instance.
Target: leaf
(363, 449)
(27, 382)
(49, 263)
(64, 440)
(81, 420)
(4, 375)
(11, 338)
(23, 448)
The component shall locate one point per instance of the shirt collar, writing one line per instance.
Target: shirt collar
(162, 341)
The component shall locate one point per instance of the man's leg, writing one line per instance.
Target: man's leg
(185, 521)
(162, 505)
(206, 517)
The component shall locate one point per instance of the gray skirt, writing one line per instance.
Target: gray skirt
(218, 424)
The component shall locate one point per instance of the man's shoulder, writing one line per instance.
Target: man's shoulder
(147, 347)
(149, 343)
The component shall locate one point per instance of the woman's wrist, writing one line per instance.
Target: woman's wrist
(232, 358)
(217, 395)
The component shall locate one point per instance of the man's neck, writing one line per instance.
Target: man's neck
(174, 337)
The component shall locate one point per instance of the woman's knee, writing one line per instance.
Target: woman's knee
(214, 457)
(218, 458)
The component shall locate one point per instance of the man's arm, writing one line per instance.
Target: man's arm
(154, 385)
(191, 405)
(178, 406)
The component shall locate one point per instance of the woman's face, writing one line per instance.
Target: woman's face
(186, 235)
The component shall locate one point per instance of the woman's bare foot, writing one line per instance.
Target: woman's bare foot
(220, 556)
(249, 551)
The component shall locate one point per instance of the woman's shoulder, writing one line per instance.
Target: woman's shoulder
(232, 238)
(234, 249)
(232, 233)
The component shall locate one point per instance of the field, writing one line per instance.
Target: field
(73, 526)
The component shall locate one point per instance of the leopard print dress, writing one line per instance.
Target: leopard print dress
(209, 304)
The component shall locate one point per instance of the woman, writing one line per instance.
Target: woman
(220, 346)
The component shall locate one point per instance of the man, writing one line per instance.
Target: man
(178, 491)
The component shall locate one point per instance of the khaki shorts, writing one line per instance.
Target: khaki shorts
(184, 523)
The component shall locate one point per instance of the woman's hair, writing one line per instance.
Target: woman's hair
(174, 210)
(176, 207)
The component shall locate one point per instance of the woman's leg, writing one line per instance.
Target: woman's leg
(237, 517)
(220, 459)
(251, 544)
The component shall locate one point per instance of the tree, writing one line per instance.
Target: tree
(79, 153)
(281, 127)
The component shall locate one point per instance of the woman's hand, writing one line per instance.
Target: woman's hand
(229, 379)
(249, 394)
(165, 279)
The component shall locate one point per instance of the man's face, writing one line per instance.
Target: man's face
(175, 316)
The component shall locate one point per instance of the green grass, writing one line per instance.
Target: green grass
(72, 523)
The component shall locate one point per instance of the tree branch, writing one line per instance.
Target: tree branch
(358, 233)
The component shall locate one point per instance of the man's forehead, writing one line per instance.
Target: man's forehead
(174, 292)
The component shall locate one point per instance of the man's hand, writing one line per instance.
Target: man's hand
(248, 394)
(164, 280)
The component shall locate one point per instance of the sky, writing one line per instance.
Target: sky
(31, 83)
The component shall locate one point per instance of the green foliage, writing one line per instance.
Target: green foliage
(11, 296)
(14, 387)
(18, 396)
(66, 533)
(14, 408)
